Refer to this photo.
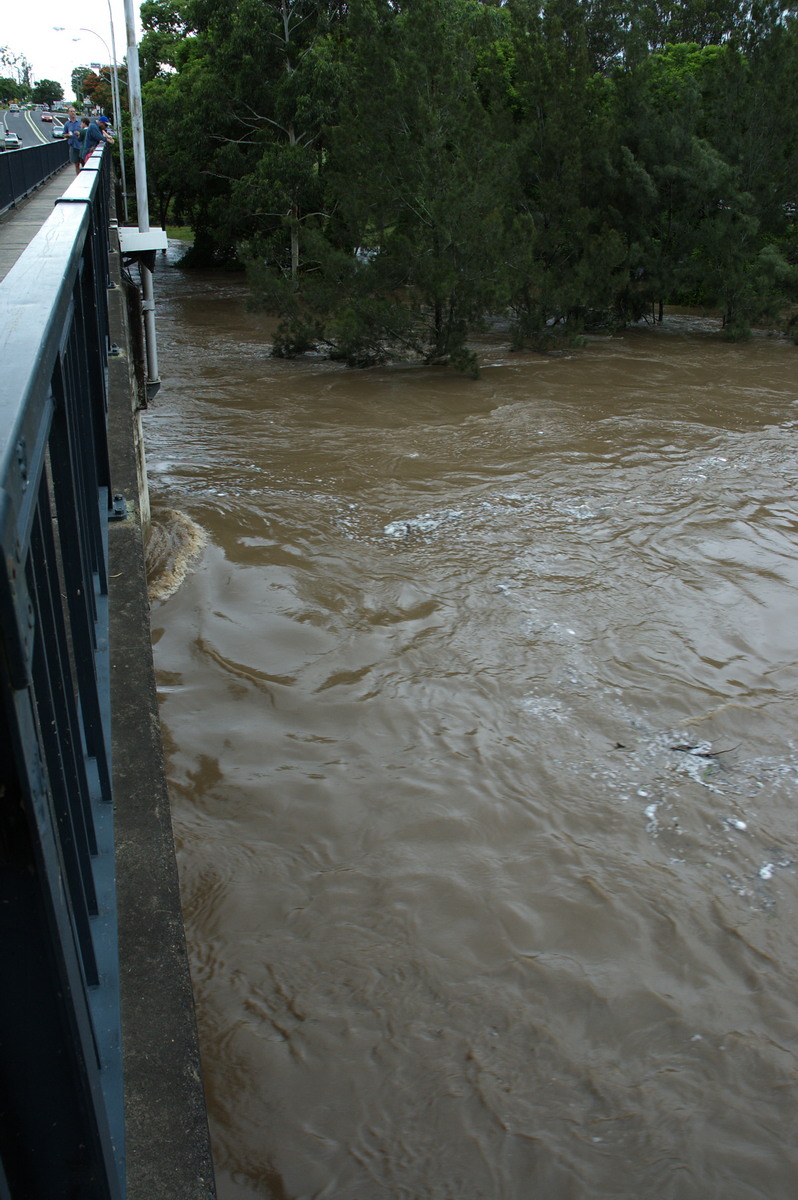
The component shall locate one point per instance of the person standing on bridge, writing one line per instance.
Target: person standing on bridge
(72, 131)
(85, 122)
(95, 134)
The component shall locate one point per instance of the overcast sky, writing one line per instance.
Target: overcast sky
(27, 28)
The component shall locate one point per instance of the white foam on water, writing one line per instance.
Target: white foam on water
(546, 707)
(580, 511)
(696, 763)
(427, 522)
(174, 546)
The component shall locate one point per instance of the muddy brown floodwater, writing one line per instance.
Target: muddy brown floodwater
(479, 702)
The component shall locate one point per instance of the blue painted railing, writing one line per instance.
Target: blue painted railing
(61, 1108)
(23, 170)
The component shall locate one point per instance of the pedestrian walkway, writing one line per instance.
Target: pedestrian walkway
(19, 225)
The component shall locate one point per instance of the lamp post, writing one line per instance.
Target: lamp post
(145, 241)
(115, 97)
(114, 75)
(142, 199)
(114, 94)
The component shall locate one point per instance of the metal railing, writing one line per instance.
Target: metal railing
(61, 1100)
(23, 170)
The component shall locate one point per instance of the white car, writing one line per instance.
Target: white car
(11, 140)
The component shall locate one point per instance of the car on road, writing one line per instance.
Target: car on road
(13, 108)
(47, 116)
(11, 140)
(58, 130)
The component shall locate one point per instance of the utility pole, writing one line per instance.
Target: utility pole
(114, 94)
(148, 240)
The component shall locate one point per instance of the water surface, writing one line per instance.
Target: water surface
(480, 712)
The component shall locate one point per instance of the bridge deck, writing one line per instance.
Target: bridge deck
(20, 225)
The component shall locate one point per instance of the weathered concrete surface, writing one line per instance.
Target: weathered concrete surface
(168, 1147)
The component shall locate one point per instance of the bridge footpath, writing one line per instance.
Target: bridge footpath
(19, 225)
(101, 1090)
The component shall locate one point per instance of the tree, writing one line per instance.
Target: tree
(751, 112)
(569, 256)
(394, 173)
(711, 129)
(178, 166)
(165, 26)
(21, 68)
(414, 176)
(703, 22)
(77, 79)
(98, 88)
(672, 179)
(271, 64)
(47, 91)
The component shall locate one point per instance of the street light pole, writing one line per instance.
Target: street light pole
(142, 198)
(118, 109)
(116, 102)
(143, 242)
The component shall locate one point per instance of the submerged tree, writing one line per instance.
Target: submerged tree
(416, 184)
(395, 175)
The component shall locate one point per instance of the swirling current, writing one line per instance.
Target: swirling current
(479, 700)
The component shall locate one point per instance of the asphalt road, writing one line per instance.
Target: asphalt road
(30, 126)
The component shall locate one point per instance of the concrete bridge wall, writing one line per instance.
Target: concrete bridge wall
(168, 1149)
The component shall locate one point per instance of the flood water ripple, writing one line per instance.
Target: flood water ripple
(479, 702)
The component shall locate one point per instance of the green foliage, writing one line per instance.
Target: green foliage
(431, 174)
(394, 177)
(47, 91)
(76, 79)
(165, 25)
(98, 87)
(17, 85)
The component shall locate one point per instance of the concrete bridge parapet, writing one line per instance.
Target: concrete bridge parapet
(168, 1149)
